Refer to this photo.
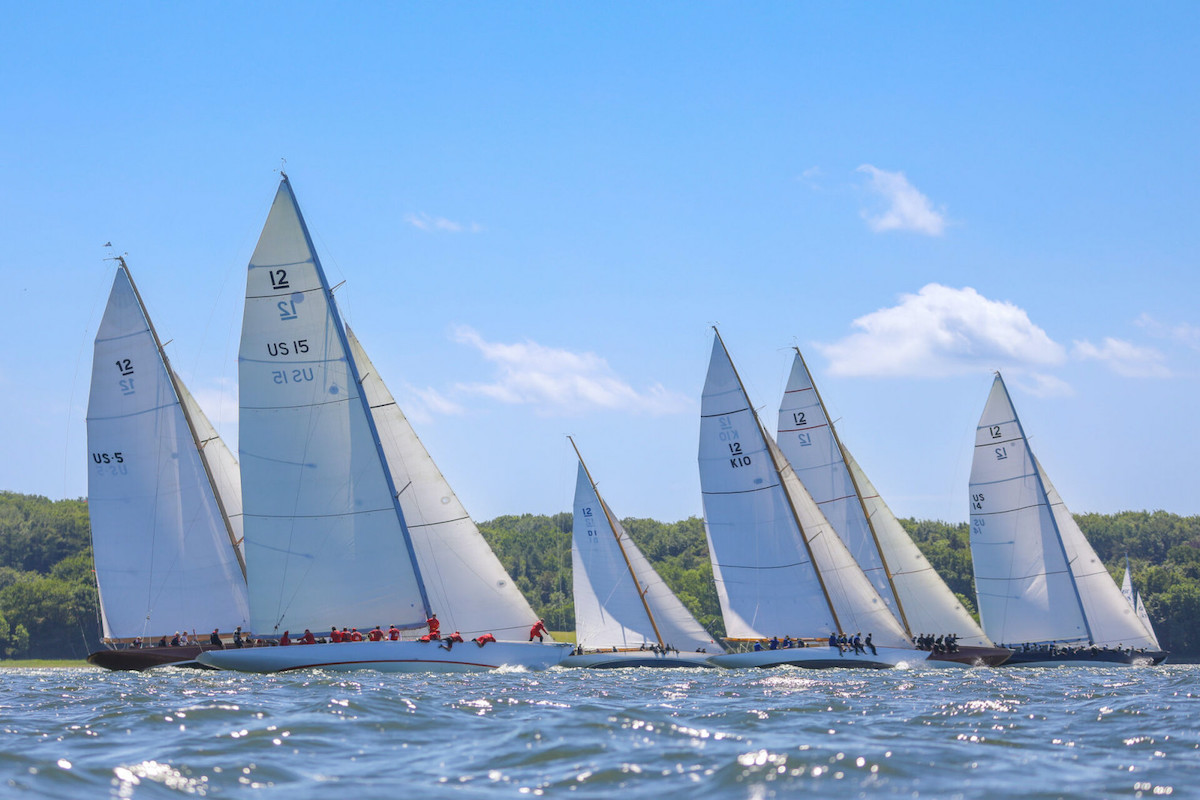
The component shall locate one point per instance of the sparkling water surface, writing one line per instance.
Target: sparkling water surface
(1085, 732)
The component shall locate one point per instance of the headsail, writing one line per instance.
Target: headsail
(896, 567)
(1037, 578)
(620, 600)
(325, 539)
(779, 567)
(467, 585)
(163, 556)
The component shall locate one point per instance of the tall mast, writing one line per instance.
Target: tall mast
(612, 527)
(362, 396)
(187, 417)
(857, 494)
(1037, 471)
(791, 504)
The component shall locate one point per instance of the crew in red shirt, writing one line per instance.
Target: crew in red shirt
(484, 639)
(308, 637)
(451, 639)
(394, 633)
(538, 629)
(434, 626)
(284, 640)
(376, 635)
(355, 636)
(335, 635)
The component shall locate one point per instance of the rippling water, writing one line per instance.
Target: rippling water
(1030, 733)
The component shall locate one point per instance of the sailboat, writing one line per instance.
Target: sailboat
(1042, 588)
(909, 585)
(780, 568)
(326, 537)
(1135, 599)
(163, 498)
(625, 615)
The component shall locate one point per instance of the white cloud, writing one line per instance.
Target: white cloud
(812, 176)
(1124, 358)
(425, 222)
(1040, 385)
(1183, 332)
(907, 209)
(942, 331)
(561, 382)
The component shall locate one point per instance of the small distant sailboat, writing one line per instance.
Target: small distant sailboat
(1042, 589)
(326, 535)
(1135, 600)
(163, 498)
(909, 585)
(780, 568)
(625, 615)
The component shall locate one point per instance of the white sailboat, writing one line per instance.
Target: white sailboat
(780, 568)
(1135, 599)
(904, 578)
(625, 615)
(325, 535)
(163, 497)
(1042, 588)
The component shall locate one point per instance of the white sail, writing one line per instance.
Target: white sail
(929, 604)
(325, 540)
(896, 567)
(779, 568)
(1037, 578)
(1112, 619)
(467, 585)
(1135, 600)
(620, 600)
(1026, 591)
(222, 465)
(163, 556)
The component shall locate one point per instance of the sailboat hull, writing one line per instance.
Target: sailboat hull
(1086, 658)
(637, 658)
(968, 656)
(143, 658)
(390, 657)
(820, 658)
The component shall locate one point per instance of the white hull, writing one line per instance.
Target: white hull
(637, 658)
(820, 658)
(390, 657)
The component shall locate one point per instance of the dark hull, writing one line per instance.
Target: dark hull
(142, 658)
(974, 656)
(1085, 658)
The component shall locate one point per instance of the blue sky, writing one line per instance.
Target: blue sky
(540, 210)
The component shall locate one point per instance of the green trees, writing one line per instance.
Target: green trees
(49, 608)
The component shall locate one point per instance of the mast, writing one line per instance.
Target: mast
(340, 327)
(187, 418)
(791, 504)
(612, 527)
(1037, 471)
(857, 494)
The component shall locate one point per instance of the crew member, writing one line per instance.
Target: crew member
(538, 630)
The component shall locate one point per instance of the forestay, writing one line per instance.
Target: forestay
(163, 557)
(325, 539)
(620, 600)
(467, 585)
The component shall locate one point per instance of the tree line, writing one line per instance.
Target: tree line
(49, 607)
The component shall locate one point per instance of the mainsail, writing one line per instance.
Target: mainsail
(161, 540)
(620, 600)
(779, 567)
(1037, 577)
(896, 567)
(325, 538)
(467, 585)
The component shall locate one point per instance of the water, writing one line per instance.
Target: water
(1086, 732)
